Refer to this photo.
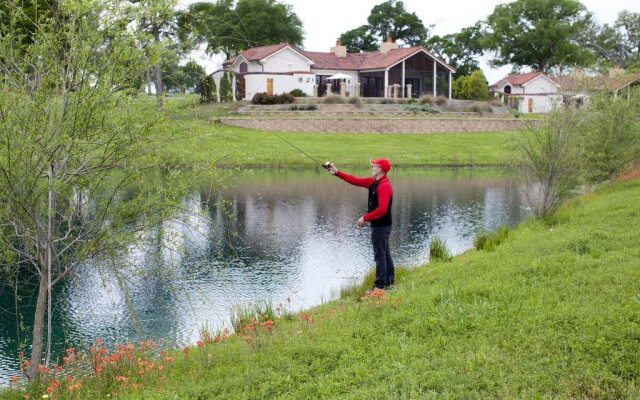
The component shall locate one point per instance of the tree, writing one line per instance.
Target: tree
(472, 87)
(616, 45)
(226, 90)
(359, 39)
(157, 18)
(76, 152)
(386, 19)
(251, 23)
(208, 90)
(460, 50)
(541, 34)
(192, 72)
(181, 77)
(24, 22)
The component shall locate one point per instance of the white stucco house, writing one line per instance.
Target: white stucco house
(389, 72)
(534, 92)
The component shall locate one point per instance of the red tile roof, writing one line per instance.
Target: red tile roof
(520, 79)
(352, 62)
(363, 61)
(258, 53)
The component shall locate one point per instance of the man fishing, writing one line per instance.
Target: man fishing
(378, 214)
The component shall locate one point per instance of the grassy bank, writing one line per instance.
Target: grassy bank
(195, 138)
(554, 311)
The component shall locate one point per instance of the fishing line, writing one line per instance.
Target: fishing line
(298, 148)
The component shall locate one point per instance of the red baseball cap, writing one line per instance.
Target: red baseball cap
(383, 163)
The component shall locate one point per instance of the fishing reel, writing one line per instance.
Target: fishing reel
(327, 165)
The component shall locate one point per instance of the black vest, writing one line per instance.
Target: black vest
(385, 220)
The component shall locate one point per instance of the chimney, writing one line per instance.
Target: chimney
(339, 50)
(388, 45)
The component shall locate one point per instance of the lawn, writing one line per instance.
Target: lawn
(194, 137)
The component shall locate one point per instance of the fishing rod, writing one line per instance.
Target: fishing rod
(325, 165)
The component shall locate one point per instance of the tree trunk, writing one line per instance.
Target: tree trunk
(159, 88)
(149, 81)
(38, 324)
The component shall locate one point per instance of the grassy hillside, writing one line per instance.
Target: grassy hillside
(554, 311)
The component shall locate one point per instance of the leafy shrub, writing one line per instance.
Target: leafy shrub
(412, 101)
(355, 101)
(610, 140)
(414, 108)
(429, 109)
(303, 107)
(333, 100)
(471, 87)
(489, 241)
(387, 101)
(226, 89)
(298, 93)
(265, 99)
(208, 90)
(424, 108)
(438, 250)
(548, 161)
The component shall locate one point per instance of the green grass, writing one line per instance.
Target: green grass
(552, 312)
(201, 143)
(193, 137)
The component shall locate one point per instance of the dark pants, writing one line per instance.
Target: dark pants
(385, 273)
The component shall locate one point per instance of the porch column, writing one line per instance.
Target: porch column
(329, 92)
(449, 85)
(357, 93)
(343, 88)
(403, 95)
(386, 83)
(409, 92)
(315, 90)
(435, 76)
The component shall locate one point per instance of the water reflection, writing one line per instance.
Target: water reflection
(273, 235)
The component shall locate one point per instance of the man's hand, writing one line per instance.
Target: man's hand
(331, 168)
(361, 222)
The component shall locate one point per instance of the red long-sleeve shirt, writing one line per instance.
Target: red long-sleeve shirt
(385, 191)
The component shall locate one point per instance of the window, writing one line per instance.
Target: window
(507, 89)
(243, 68)
(300, 80)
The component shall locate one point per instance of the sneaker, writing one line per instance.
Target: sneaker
(390, 287)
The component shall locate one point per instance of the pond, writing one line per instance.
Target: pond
(271, 235)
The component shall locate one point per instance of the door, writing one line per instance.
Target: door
(240, 87)
(270, 86)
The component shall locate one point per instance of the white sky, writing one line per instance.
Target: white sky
(323, 21)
